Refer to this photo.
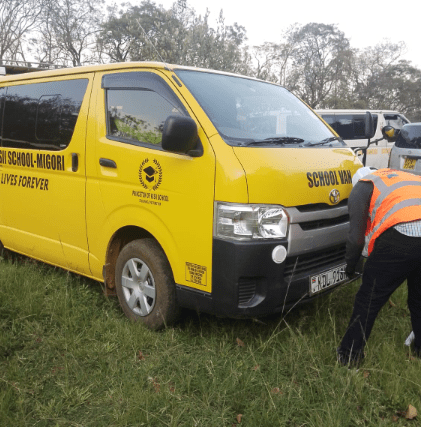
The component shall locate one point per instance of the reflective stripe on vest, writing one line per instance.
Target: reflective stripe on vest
(396, 198)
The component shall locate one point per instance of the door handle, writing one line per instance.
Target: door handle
(108, 163)
(75, 162)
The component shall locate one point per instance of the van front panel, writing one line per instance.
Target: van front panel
(279, 246)
(133, 182)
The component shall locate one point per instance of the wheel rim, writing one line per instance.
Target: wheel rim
(138, 287)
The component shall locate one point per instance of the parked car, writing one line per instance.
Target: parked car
(406, 153)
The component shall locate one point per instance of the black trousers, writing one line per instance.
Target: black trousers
(395, 258)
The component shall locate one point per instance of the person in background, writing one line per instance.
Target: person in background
(385, 219)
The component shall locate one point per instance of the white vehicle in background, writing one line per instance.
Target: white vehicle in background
(406, 153)
(350, 126)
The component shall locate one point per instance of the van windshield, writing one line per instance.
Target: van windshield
(251, 112)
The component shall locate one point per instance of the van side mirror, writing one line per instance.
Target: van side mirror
(369, 130)
(180, 136)
(389, 133)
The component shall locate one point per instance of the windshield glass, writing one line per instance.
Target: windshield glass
(251, 112)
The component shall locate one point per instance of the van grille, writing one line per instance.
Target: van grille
(246, 289)
(305, 264)
(323, 223)
(321, 206)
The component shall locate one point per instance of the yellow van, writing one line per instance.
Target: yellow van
(175, 186)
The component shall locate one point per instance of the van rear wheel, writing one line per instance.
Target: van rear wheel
(145, 285)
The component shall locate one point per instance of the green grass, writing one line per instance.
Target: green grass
(68, 357)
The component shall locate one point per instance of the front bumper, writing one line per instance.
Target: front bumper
(246, 282)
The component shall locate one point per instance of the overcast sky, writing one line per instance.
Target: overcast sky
(364, 22)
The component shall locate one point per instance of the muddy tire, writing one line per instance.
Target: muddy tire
(145, 284)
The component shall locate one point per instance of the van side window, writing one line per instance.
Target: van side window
(349, 126)
(137, 105)
(395, 120)
(137, 115)
(48, 118)
(2, 93)
(42, 115)
(330, 120)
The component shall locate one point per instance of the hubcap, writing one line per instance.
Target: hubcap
(138, 287)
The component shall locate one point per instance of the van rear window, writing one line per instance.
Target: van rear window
(42, 115)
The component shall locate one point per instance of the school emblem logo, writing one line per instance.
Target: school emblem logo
(150, 174)
(334, 196)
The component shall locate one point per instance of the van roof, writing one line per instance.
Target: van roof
(333, 111)
(107, 67)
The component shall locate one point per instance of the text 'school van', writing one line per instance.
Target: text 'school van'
(177, 187)
(350, 124)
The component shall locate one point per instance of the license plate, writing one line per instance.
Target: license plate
(327, 279)
(409, 163)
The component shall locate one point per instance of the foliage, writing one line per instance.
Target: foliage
(397, 87)
(68, 30)
(320, 59)
(315, 61)
(17, 17)
(68, 357)
(139, 33)
(178, 35)
(137, 130)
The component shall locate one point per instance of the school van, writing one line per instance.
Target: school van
(176, 187)
(350, 125)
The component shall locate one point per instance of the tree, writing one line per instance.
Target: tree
(312, 60)
(396, 87)
(177, 35)
(221, 48)
(145, 32)
(369, 68)
(68, 31)
(273, 61)
(17, 18)
(320, 58)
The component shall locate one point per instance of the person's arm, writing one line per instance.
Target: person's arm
(358, 207)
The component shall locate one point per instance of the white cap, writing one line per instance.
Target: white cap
(361, 173)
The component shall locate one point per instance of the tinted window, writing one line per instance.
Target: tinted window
(48, 118)
(349, 126)
(42, 115)
(136, 115)
(409, 136)
(330, 120)
(2, 93)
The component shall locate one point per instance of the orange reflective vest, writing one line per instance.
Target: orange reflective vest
(396, 198)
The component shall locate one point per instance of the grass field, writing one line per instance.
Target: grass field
(68, 357)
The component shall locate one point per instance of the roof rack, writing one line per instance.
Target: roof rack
(8, 67)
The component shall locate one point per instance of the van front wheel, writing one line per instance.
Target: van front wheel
(145, 285)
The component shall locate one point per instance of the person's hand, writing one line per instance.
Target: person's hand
(350, 271)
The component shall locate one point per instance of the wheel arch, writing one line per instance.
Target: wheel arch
(118, 241)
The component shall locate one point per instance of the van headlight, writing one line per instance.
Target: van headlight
(247, 222)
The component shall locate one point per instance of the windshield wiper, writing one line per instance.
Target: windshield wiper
(323, 141)
(277, 140)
